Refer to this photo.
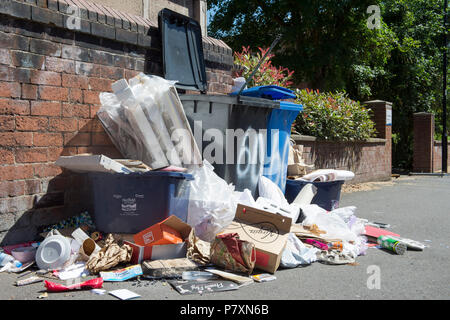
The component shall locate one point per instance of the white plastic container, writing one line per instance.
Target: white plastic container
(54, 252)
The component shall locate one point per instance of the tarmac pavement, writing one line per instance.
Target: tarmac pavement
(416, 207)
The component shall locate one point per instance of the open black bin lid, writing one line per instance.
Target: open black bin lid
(182, 50)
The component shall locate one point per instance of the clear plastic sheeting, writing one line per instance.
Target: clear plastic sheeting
(146, 121)
(212, 202)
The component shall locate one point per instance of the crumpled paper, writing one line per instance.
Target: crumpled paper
(197, 249)
(233, 254)
(109, 256)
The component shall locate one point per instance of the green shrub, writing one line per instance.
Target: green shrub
(333, 116)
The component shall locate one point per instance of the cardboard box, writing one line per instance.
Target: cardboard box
(95, 163)
(157, 252)
(160, 233)
(269, 233)
(164, 251)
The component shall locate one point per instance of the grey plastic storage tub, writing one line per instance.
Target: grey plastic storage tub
(129, 203)
(231, 132)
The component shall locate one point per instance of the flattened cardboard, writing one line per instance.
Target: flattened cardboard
(373, 233)
(168, 268)
(269, 233)
(91, 163)
(193, 287)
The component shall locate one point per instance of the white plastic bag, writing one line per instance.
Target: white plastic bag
(333, 224)
(246, 198)
(212, 202)
(296, 253)
(269, 190)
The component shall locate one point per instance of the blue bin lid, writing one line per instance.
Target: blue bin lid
(290, 106)
(269, 92)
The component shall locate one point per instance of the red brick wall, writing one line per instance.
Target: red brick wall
(365, 159)
(50, 80)
(437, 156)
(369, 161)
(427, 157)
(423, 142)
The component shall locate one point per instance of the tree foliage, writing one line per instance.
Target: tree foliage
(330, 47)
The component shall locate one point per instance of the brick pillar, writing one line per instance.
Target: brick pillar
(382, 116)
(423, 142)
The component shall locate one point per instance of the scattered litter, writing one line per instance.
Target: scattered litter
(25, 274)
(153, 251)
(373, 233)
(239, 279)
(42, 296)
(124, 294)
(171, 268)
(109, 256)
(378, 225)
(200, 287)
(325, 175)
(335, 257)
(267, 231)
(28, 281)
(392, 244)
(198, 276)
(263, 277)
(197, 249)
(99, 291)
(212, 202)
(410, 244)
(232, 253)
(296, 253)
(77, 270)
(54, 251)
(317, 244)
(122, 274)
(96, 283)
(22, 268)
(24, 254)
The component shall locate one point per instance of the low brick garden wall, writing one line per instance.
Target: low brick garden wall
(368, 160)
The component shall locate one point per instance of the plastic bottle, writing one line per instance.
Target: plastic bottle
(6, 258)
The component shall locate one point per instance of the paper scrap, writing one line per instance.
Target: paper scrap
(124, 294)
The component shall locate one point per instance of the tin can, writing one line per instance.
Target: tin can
(392, 244)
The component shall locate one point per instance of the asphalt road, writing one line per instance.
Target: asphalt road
(416, 207)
